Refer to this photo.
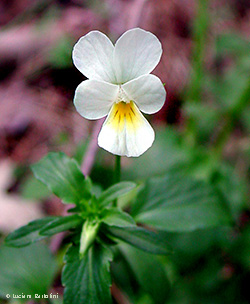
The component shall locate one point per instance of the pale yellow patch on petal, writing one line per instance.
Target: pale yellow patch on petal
(125, 131)
(124, 115)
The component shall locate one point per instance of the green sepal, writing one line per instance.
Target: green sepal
(88, 235)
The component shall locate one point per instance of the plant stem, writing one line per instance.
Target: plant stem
(195, 88)
(90, 154)
(230, 119)
(117, 176)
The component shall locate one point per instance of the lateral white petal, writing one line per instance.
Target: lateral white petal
(93, 56)
(93, 98)
(125, 131)
(137, 52)
(147, 92)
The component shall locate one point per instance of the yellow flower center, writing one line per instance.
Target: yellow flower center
(124, 114)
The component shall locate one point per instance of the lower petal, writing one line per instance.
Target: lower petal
(125, 131)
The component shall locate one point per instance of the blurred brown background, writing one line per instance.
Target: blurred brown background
(37, 78)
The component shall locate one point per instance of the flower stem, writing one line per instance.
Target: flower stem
(117, 176)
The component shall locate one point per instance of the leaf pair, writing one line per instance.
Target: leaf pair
(39, 229)
(172, 203)
(86, 279)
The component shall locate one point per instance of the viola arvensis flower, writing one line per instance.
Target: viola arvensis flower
(120, 86)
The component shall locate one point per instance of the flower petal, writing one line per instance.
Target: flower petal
(93, 56)
(93, 98)
(137, 52)
(125, 131)
(147, 92)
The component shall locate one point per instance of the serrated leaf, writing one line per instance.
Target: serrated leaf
(177, 203)
(87, 280)
(28, 234)
(27, 271)
(141, 238)
(115, 192)
(60, 224)
(116, 217)
(63, 177)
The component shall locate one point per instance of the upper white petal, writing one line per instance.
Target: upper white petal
(148, 93)
(93, 98)
(137, 52)
(93, 56)
(126, 135)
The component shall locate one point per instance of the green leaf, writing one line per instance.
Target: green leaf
(233, 187)
(116, 217)
(27, 270)
(166, 152)
(149, 273)
(60, 224)
(141, 238)
(33, 189)
(246, 120)
(115, 192)
(87, 280)
(28, 234)
(177, 203)
(232, 43)
(63, 177)
(206, 118)
(241, 248)
(125, 201)
(233, 90)
(186, 254)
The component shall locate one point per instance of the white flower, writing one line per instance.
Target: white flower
(120, 86)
